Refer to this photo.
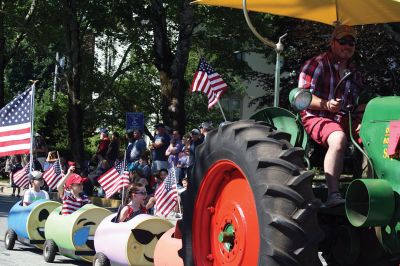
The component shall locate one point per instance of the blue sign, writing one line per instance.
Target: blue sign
(135, 121)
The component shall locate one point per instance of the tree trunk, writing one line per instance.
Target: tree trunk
(172, 67)
(73, 82)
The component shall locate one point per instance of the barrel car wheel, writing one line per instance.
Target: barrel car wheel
(9, 239)
(250, 200)
(101, 260)
(49, 250)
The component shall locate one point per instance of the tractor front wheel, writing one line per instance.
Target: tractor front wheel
(250, 201)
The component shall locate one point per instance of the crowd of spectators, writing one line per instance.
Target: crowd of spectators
(147, 164)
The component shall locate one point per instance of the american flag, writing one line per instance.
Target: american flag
(15, 125)
(114, 179)
(21, 177)
(209, 82)
(53, 175)
(166, 194)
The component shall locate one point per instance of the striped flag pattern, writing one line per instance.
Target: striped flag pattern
(53, 175)
(15, 125)
(209, 82)
(166, 194)
(114, 179)
(20, 177)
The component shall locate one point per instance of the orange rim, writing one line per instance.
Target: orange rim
(225, 221)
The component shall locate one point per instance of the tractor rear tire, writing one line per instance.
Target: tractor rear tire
(9, 239)
(250, 201)
(100, 259)
(49, 250)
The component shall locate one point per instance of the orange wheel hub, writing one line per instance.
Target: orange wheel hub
(225, 220)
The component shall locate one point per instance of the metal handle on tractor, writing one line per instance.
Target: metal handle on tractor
(278, 47)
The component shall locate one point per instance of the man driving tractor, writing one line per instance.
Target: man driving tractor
(326, 119)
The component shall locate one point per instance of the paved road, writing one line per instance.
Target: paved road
(22, 255)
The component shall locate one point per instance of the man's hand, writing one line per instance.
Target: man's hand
(334, 105)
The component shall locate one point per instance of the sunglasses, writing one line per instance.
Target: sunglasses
(144, 237)
(350, 42)
(141, 192)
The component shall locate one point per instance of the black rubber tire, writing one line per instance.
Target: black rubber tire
(9, 239)
(100, 259)
(282, 191)
(49, 250)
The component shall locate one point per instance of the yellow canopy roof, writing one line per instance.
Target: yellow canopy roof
(349, 12)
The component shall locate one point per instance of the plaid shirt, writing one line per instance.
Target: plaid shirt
(320, 75)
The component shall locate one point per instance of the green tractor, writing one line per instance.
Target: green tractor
(252, 200)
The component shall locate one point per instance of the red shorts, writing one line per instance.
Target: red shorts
(320, 128)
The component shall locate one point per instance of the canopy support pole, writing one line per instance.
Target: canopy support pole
(278, 47)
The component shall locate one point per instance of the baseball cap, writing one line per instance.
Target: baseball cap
(206, 125)
(195, 131)
(343, 30)
(159, 125)
(35, 175)
(103, 130)
(75, 179)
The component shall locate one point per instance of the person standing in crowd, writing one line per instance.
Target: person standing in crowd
(15, 166)
(129, 147)
(102, 148)
(50, 160)
(34, 193)
(40, 149)
(139, 146)
(196, 140)
(173, 149)
(158, 148)
(205, 127)
(113, 148)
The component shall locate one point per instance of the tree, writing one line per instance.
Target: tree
(15, 21)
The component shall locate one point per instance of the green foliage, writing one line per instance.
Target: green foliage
(50, 119)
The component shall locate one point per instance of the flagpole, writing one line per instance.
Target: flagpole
(62, 173)
(177, 193)
(122, 170)
(222, 111)
(32, 124)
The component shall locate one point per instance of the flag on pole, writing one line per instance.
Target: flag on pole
(114, 179)
(21, 177)
(209, 82)
(166, 194)
(53, 175)
(15, 125)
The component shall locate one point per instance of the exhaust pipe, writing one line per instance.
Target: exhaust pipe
(370, 202)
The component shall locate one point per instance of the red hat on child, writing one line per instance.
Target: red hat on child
(75, 179)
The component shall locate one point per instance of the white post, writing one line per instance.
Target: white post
(55, 77)
(222, 111)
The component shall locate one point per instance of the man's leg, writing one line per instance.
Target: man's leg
(333, 162)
